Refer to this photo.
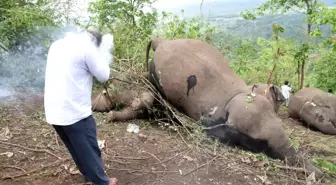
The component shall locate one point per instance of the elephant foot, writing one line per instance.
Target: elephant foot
(131, 111)
(111, 116)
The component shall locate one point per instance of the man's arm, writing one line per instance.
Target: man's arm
(98, 64)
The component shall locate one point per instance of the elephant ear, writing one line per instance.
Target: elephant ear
(277, 93)
(319, 101)
(100, 102)
(309, 112)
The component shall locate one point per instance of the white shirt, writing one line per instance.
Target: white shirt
(286, 90)
(71, 64)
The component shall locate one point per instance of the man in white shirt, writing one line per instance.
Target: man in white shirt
(71, 64)
(285, 91)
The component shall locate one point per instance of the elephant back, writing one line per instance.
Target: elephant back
(194, 75)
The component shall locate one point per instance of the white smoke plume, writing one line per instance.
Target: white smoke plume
(23, 70)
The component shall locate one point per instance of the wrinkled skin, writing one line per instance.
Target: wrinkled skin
(130, 102)
(195, 77)
(315, 108)
(273, 94)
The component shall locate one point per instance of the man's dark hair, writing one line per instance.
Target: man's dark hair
(330, 91)
(286, 82)
(98, 36)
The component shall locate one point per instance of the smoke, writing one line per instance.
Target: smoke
(22, 71)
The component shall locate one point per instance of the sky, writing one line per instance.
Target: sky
(177, 3)
(161, 5)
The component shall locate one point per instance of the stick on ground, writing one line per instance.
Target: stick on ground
(199, 167)
(30, 149)
(35, 170)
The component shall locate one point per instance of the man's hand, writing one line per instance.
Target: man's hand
(106, 47)
(107, 43)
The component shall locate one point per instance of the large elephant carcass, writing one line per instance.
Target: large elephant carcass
(271, 92)
(315, 108)
(195, 77)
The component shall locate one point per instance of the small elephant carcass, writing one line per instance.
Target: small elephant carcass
(315, 108)
(122, 100)
(195, 77)
(272, 93)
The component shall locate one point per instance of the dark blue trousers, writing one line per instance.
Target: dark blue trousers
(81, 140)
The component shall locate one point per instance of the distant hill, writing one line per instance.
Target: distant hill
(224, 7)
(226, 14)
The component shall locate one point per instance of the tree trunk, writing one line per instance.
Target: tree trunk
(302, 73)
(309, 12)
(299, 77)
(270, 74)
(308, 31)
(304, 62)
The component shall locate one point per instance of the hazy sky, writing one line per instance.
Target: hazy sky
(160, 4)
(179, 3)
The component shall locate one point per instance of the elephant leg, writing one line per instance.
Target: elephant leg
(124, 114)
(130, 112)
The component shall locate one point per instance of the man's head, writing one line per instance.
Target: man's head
(330, 91)
(95, 35)
(286, 82)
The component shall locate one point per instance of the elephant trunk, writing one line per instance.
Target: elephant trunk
(286, 151)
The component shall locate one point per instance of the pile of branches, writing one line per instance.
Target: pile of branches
(160, 111)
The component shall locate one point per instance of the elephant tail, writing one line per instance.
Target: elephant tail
(147, 53)
(154, 43)
(253, 87)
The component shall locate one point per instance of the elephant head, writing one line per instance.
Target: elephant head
(272, 93)
(254, 126)
(101, 102)
(319, 115)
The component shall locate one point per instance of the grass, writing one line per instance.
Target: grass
(327, 167)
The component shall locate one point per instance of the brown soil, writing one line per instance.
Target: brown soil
(156, 156)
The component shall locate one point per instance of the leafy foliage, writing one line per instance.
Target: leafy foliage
(324, 71)
(133, 28)
(309, 7)
(20, 20)
(26, 25)
(173, 27)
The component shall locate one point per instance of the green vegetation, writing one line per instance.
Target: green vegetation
(247, 41)
(303, 50)
(326, 166)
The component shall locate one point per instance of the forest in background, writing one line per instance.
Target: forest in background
(269, 38)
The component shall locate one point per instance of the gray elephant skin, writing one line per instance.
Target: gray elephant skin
(315, 108)
(273, 94)
(196, 78)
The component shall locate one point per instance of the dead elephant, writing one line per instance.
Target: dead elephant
(315, 108)
(195, 77)
(273, 94)
(122, 103)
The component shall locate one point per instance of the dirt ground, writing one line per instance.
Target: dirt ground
(31, 154)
